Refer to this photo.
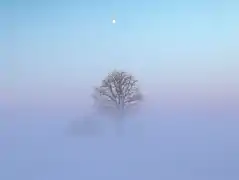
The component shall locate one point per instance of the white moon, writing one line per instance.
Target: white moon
(113, 21)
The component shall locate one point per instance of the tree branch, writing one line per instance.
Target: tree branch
(118, 90)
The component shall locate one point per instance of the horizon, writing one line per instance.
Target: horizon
(184, 55)
(59, 52)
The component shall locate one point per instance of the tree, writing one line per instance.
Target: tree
(117, 94)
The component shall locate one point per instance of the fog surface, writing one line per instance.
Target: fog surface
(168, 147)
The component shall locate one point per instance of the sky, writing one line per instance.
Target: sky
(54, 52)
(184, 54)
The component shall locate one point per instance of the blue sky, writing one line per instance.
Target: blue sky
(61, 48)
(184, 53)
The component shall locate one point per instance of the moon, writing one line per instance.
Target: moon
(113, 21)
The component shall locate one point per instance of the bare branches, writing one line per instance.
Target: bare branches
(118, 91)
(135, 97)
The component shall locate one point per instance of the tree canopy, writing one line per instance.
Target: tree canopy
(117, 94)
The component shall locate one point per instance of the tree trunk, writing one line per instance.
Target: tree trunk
(120, 118)
(120, 123)
(120, 126)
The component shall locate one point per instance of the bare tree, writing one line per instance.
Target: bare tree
(117, 94)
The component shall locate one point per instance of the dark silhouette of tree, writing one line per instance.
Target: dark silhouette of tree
(117, 94)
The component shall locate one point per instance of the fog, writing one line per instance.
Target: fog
(159, 145)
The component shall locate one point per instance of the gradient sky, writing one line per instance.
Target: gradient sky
(56, 51)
